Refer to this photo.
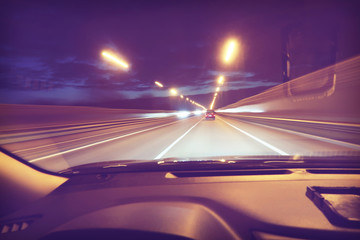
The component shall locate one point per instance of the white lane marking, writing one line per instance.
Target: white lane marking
(97, 143)
(307, 121)
(175, 142)
(67, 141)
(323, 139)
(257, 139)
(79, 128)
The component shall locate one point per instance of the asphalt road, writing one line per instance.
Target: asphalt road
(57, 148)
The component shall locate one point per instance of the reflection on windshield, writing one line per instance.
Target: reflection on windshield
(144, 94)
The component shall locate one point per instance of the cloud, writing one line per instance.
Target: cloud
(244, 84)
(35, 73)
(19, 70)
(98, 64)
(70, 80)
(191, 66)
(65, 95)
(231, 74)
(207, 87)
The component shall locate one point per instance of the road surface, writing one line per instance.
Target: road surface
(58, 148)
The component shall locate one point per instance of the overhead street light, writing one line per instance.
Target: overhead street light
(213, 102)
(221, 80)
(159, 84)
(111, 57)
(230, 49)
(173, 91)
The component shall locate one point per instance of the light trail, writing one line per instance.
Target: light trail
(100, 142)
(159, 84)
(83, 138)
(173, 91)
(115, 59)
(323, 139)
(221, 80)
(213, 102)
(230, 49)
(306, 121)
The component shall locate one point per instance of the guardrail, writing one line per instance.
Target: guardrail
(324, 103)
(330, 94)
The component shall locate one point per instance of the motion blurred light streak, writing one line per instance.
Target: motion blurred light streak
(197, 112)
(159, 84)
(243, 109)
(335, 86)
(183, 114)
(97, 143)
(299, 120)
(230, 48)
(115, 59)
(213, 102)
(319, 138)
(221, 80)
(173, 91)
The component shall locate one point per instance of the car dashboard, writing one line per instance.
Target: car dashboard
(201, 204)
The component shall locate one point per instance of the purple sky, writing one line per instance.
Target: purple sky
(50, 52)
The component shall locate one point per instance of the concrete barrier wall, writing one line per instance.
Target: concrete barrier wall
(330, 94)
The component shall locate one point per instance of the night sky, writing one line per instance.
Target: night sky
(50, 50)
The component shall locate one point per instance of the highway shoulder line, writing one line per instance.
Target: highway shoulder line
(97, 143)
(175, 142)
(66, 141)
(323, 139)
(256, 139)
(302, 121)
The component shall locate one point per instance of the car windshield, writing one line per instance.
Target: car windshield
(97, 81)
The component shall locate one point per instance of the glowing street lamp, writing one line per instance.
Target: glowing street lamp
(181, 96)
(221, 80)
(213, 102)
(173, 91)
(115, 59)
(230, 48)
(159, 84)
(217, 89)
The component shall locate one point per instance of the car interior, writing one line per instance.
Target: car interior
(279, 202)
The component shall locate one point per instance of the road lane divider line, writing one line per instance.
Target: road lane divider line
(97, 143)
(303, 121)
(77, 127)
(67, 141)
(322, 139)
(175, 142)
(70, 124)
(256, 139)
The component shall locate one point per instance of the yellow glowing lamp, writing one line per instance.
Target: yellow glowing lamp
(114, 59)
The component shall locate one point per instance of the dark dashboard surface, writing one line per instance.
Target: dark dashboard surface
(184, 205)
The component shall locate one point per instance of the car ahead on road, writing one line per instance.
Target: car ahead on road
(210, 114)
